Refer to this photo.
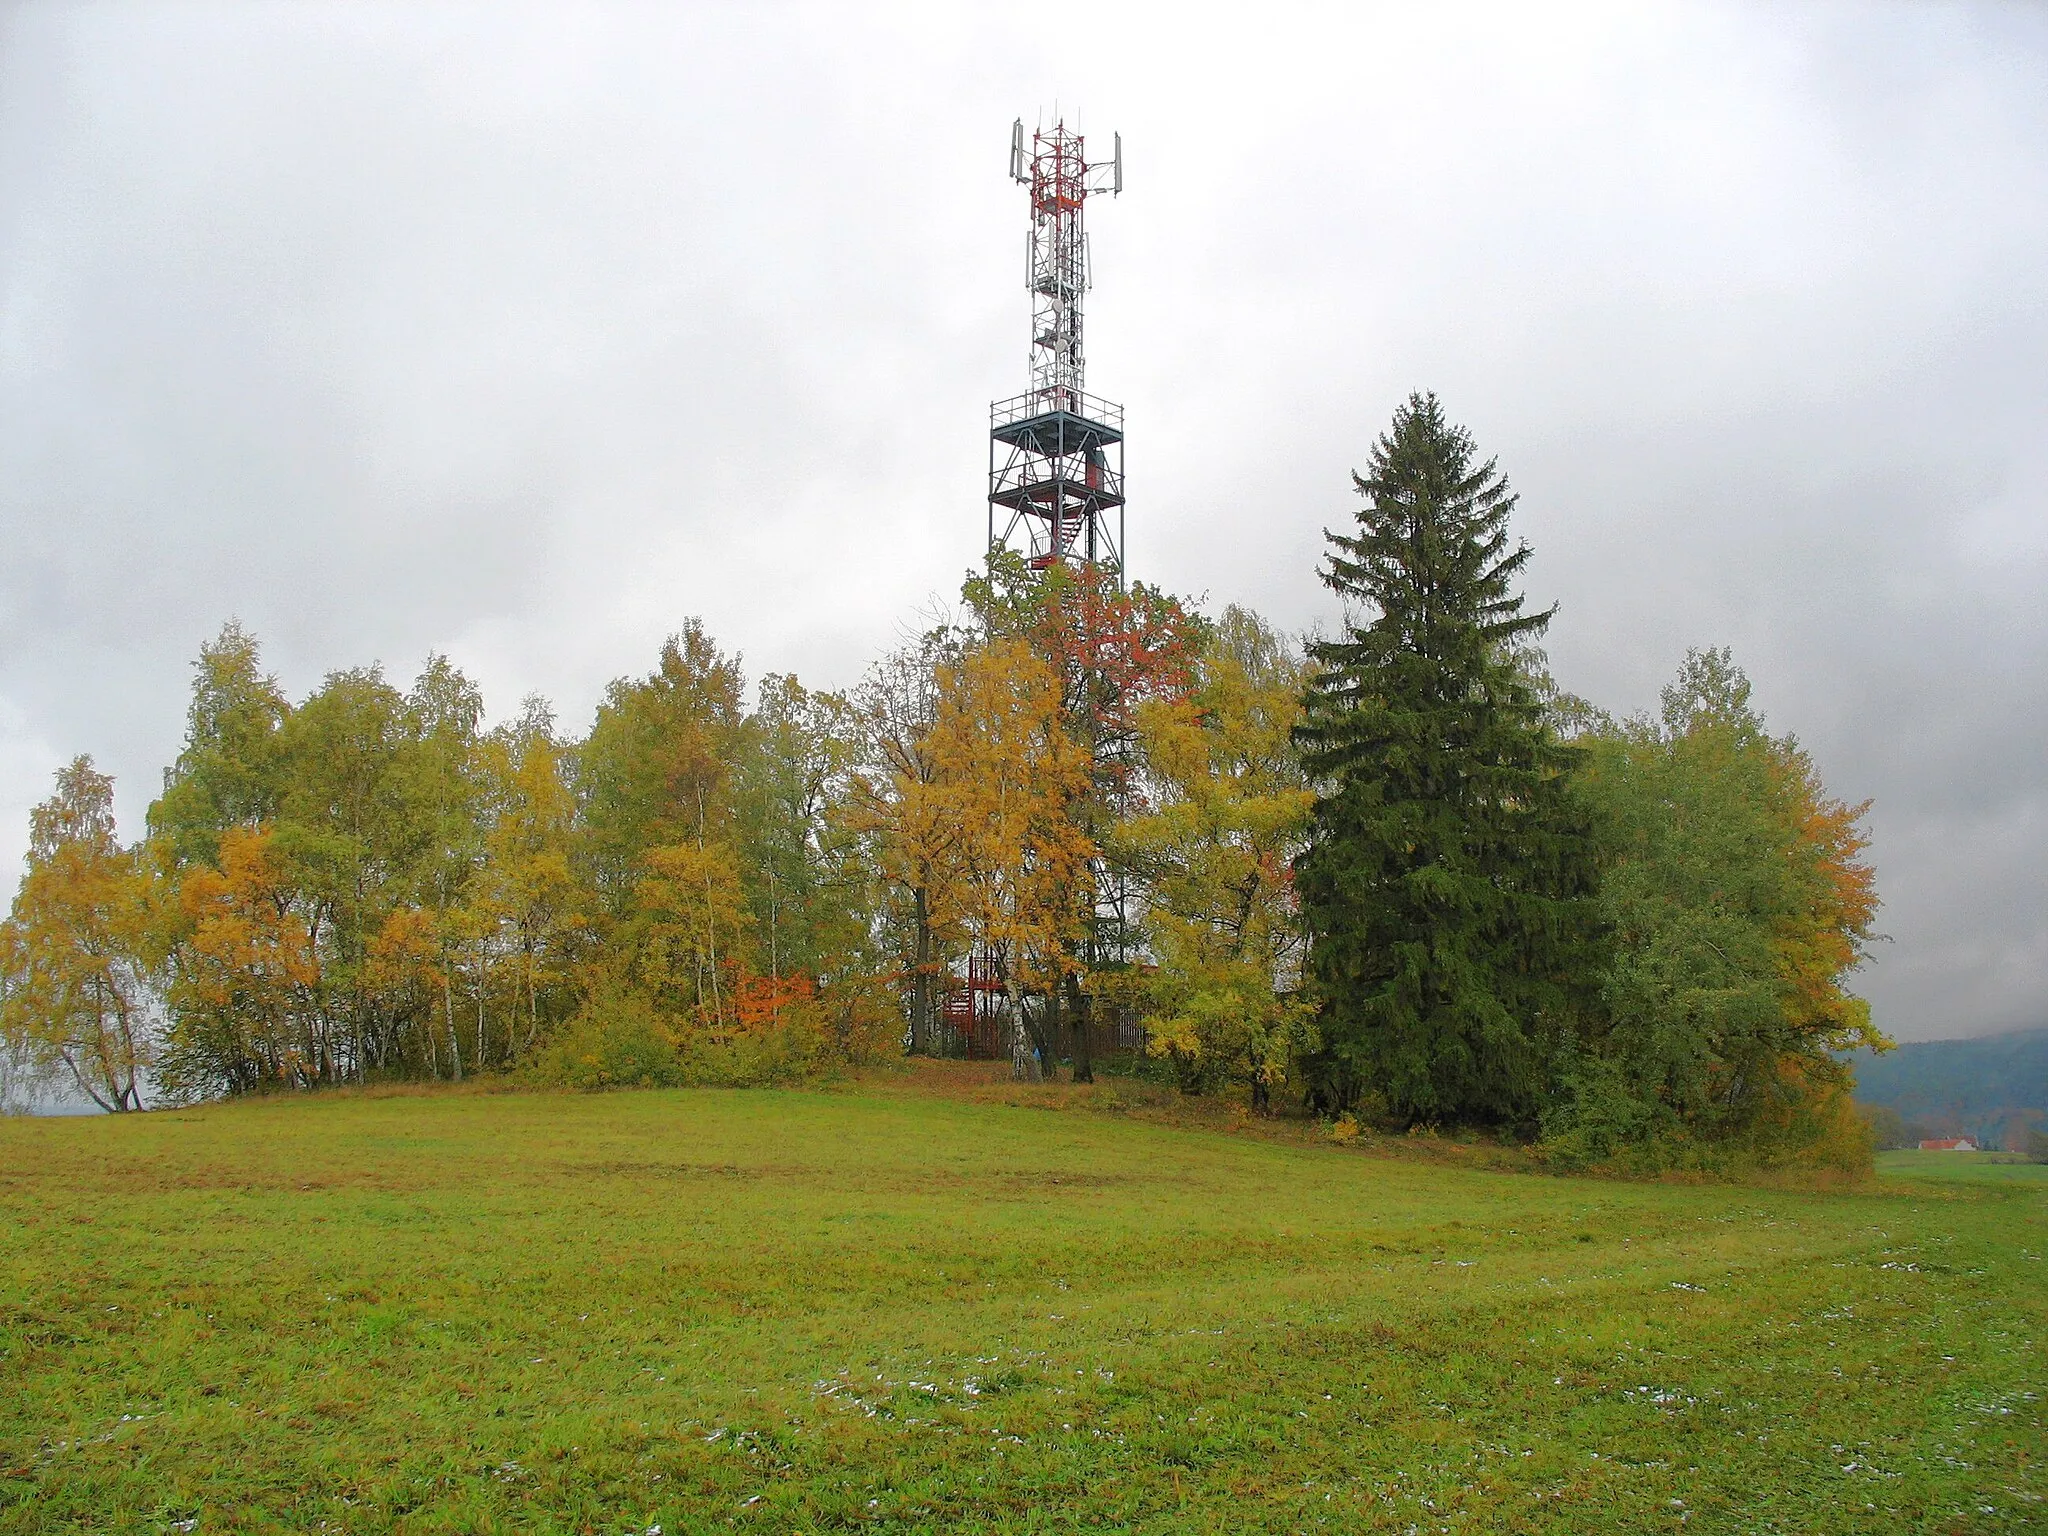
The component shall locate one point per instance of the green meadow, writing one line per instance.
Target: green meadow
(914, 1308)
(1964, 1168)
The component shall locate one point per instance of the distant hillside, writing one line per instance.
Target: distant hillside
(1960, 1086)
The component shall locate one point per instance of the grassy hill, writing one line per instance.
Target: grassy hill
(906, 1309)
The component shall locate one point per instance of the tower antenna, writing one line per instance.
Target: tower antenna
(1056, 457)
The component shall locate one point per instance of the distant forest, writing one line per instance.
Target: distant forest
(1394, 877)
(1993, 1090)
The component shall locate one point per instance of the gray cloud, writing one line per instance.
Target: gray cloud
(524, 335)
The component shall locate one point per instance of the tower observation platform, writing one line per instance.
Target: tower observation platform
(1056, 476)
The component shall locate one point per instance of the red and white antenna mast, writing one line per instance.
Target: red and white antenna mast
(1056, 452)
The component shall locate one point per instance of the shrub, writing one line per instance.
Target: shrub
(784, 1032)
(1811, 1123)
(861, 1020)
(616, 1040)
(1598, 1115)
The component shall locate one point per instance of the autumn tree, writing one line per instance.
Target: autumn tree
(366, 802)
(797, 755)
(656, 768)
(245, 984)
(1112, 646)
(688, 930)
(528, 880)
(75, 960)
(400, 988)
(429, 844)
(357, 829)
(816, 895)
(1007, 774)
(1449, 878)
(1740, 905)
(660, 833)
(895, 809)
(1228, 814)
(226, 790)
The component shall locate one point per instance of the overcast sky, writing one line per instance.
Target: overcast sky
(523, 336)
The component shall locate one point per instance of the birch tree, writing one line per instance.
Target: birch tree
(74, 951)
(894, 805)
(1006, 775)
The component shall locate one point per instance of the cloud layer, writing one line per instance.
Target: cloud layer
(524, 336)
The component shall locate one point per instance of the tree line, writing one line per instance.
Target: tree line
(1393, 874)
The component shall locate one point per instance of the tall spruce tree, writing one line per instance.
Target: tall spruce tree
(1448, 882)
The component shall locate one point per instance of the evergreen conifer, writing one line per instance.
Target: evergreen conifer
(1448, 882)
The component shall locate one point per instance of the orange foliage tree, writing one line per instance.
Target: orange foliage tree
(243, 991)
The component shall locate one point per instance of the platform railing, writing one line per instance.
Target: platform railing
(1042, 402)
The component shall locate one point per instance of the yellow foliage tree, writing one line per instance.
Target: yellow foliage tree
(529, 885)
(692, 931)
(74, 984)
(400, 974)
(894, 810)
(1216, 851)
(1006, 779)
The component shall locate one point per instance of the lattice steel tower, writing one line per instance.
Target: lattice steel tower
(1055, 453)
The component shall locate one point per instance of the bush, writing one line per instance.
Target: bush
(1808, 1122)
(616, 1040)
(789, 1034)
(862, 1020)
(1599, 1115)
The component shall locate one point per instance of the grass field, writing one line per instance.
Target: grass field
(914, 1309)
(1964, 1167)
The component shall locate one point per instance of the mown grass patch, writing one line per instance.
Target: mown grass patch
(895, 1310)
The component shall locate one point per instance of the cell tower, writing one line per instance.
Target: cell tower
(1056, 453)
